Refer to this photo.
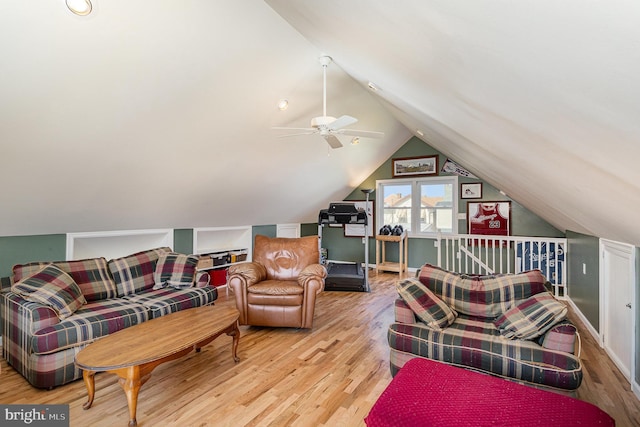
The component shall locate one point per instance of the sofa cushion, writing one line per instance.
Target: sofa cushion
(168, 300)
(175, 270)
(532, 317)
(561, 337)
(486, 296)
(476, 343)
(54, 288)
(425, 304)
(92, 321)
(91, 275)
(134, 273)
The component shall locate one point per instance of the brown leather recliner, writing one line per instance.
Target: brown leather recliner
(279, 286)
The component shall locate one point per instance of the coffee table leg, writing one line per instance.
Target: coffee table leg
(90, 383)
(130, 381)
(235, 333)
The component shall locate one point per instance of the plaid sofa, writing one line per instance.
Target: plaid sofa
(471, 337)
(42, 344)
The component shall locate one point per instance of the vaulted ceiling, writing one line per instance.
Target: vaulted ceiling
(160, 114)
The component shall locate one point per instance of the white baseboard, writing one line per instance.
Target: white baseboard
(584, 321)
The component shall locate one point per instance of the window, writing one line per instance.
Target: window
(422, 206)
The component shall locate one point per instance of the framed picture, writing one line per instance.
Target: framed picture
(357, 230)
(471, 190)
(489, 218)
(415, 166)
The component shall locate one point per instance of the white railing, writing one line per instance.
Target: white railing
(481, 254)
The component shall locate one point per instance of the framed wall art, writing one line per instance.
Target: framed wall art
(415, 166)
(489, 218)
(471, 190)
(357, 230)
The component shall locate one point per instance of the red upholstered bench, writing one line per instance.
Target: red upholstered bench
(429, 393)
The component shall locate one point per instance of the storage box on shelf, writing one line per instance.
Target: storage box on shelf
(217, 264)
(219, 247)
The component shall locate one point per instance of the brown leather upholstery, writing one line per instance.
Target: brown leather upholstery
(279, 287)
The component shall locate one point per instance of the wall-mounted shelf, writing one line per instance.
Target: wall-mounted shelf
(115, 244)
(218, 239)
(222, 241)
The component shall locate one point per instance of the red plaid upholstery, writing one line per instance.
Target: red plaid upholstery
(485, 296)
(532, 317)
(473, 341)
(53, 288)
(42, 347)
(428, 307)
(91, 275)
(175, 270)
(134, 273)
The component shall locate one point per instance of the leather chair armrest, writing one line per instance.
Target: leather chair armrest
(248, 272)
(312, 272)
(240, 277)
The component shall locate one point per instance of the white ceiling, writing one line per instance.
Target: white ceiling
(159, 114)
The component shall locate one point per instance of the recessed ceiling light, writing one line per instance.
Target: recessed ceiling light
(283, 104)
(355, 140)
(419, 132)
(372, 86)
(79, 7)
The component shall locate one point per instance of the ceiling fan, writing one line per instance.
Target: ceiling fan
(328, 127)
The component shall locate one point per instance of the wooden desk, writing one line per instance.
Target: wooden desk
(134, 352)
(403, 246)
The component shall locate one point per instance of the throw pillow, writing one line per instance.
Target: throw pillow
(134, 273)
(531, 317)
(425, 304)
(561, 337)
(175, 270)
(54, 288)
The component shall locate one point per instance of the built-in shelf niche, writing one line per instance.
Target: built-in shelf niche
(115, 244)
(217, 239)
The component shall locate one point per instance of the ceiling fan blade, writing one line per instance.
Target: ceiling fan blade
(283, 128)
(342, 121)
(295, 134)
(362, 133)
(332, 141)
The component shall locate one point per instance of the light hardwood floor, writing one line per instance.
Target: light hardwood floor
(328, 376)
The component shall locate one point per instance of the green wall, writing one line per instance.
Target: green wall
(584, 289)
(421, 250)
(53, 247)
(23, 249)
(183, 240)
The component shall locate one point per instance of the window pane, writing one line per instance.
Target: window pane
(436, 207)
(397, 205)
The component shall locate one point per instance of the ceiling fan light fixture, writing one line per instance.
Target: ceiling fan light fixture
(79, 7)
(283, 104)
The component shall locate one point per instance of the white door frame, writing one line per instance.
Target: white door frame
(629, 252)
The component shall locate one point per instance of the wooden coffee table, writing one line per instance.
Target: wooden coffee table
(134, 352)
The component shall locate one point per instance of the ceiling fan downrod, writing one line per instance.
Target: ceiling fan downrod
(324, 61)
